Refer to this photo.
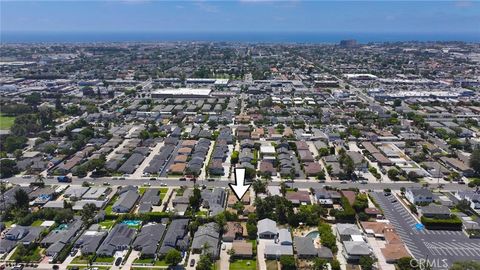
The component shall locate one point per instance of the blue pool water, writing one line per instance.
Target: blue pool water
(133, 223)
(312, 234)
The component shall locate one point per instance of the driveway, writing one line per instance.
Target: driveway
(133, 256)
(261, 252)
(224, 257)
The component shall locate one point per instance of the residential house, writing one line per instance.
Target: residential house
(125, 202)
(306, 249)
(89, 241)
(242, 249)
(267, 229)
(207, 240)
(119, 238)
(176, 236)
(148, 239)
(419, 195)
(435, 211)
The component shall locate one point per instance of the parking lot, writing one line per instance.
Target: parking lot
(427, 244)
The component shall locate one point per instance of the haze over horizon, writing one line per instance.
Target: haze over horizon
(32, 19)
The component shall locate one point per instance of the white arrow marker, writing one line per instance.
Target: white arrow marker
(239, 188)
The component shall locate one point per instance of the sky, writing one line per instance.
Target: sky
(388, 16)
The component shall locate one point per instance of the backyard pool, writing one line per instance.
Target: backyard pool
(132, 223)
(312, 234)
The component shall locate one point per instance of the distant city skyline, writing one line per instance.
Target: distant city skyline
(240, 16)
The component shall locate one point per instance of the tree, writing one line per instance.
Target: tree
(8, 168)
(196, 199)
(335, 265)
(283, 188)
(405, 263)
(366, 262)
(88, 212)
(287, 262)
(12, 143)
(466, 265)
(320, 264)
(259, 186)
(18, 153)
(21, 199)
(33, 99)
(205, 262)
(475, 161)
(173, 257)
(412, 176)
(393, 174)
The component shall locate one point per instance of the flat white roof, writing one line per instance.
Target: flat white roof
(183, 91)
(268, 149)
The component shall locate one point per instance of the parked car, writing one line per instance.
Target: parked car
(118, 261)
(182, 179)
(153, 178)
(393, 201)
(192, 262)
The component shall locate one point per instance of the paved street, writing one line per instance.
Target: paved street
(434, 245)
(173, 182)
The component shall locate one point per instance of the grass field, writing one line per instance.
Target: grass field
(243, 265)
(107, 259)
(37, 223)
(107, 224)
(6, 122)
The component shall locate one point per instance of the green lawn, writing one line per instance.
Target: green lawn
(107, 224)
(82, 259)
(161, 263)
(6, 122)
(144, 261)
(243, 265)
(105, 259)
(163, 190)
(37, 223)
(33, 255)
(86, 268)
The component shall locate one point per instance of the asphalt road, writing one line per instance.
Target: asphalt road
(173, 182)
(439, 247)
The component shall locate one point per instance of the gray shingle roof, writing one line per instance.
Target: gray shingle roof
(149, 238)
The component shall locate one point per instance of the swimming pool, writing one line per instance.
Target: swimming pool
(132, 223)
(312, 234)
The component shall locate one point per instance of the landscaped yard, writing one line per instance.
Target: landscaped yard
(96, 267)
(243, 265)
(143, 261)
(107, 224)
(105, 259)
(161, 263)
(82, 259)
(27, 254)
(37, 223)
(6, 122)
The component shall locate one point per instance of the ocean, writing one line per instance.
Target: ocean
(267, 37)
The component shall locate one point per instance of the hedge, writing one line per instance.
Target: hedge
(453, 223)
